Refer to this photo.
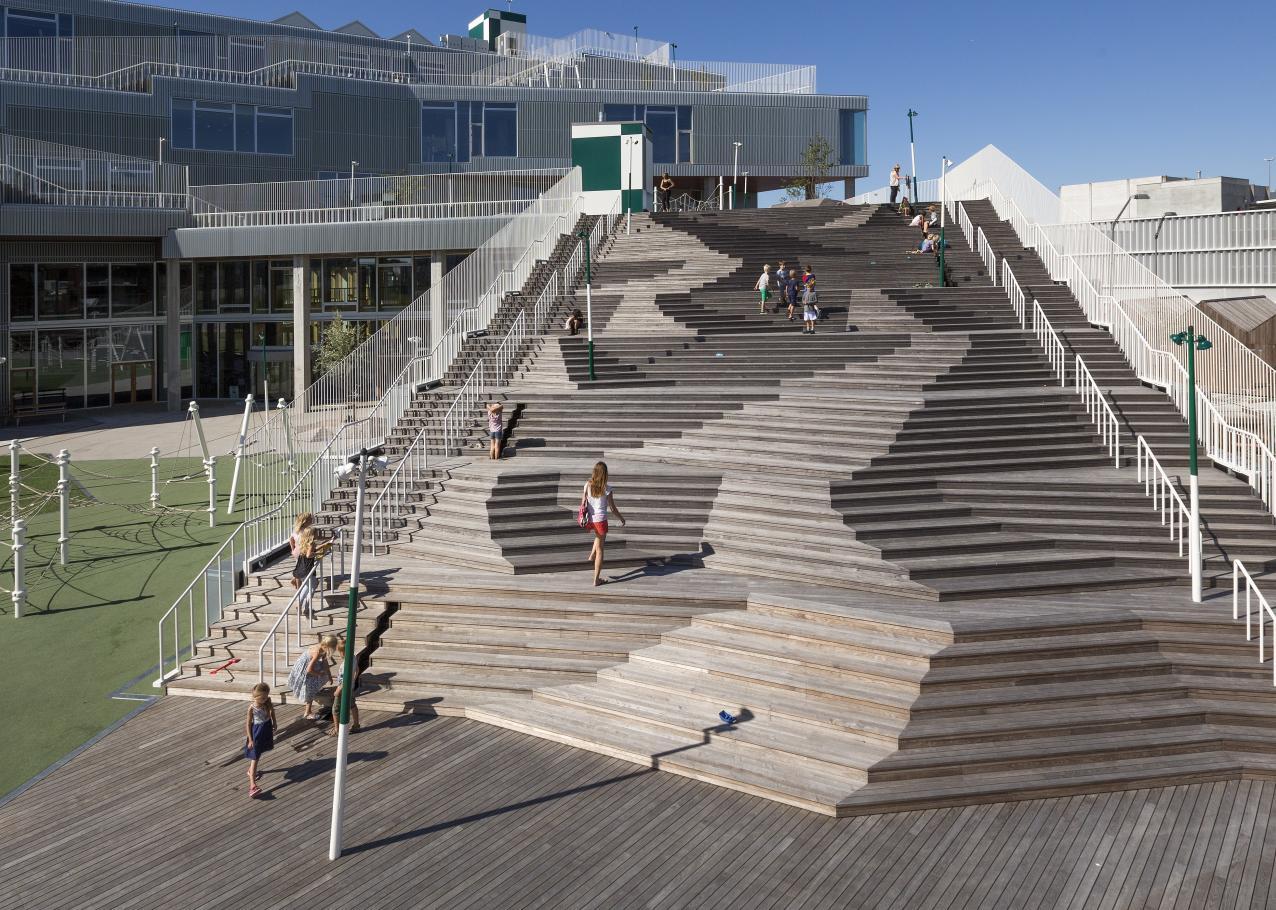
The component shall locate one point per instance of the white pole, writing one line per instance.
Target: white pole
(15, 472)
(210, 466)
(155, 496)
(943, 194)
(343, 732)
(282, 406)
(1194, 542)
(19, 565)
(239, 450)
(735, 169)
(912, 154)
(64, 505)
(720, 204)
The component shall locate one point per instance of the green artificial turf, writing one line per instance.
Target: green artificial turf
(89, 627)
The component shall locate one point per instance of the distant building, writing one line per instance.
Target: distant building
(1103, 200)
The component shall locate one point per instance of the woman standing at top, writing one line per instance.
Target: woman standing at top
(595, 500)
(894, 183)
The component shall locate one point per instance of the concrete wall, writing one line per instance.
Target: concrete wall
(1102, 201)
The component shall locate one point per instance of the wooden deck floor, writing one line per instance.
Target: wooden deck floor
(450, 813)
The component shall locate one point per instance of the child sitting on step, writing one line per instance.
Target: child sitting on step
(496, 427)
(259, 733)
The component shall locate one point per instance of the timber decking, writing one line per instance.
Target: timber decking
(449, 813)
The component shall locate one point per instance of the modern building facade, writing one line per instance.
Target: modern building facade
(268, 176)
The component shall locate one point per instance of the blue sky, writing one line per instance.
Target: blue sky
(1074, 91)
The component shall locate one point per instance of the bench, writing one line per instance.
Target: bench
(38, 404)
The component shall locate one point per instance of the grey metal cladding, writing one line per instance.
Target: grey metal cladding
(319, 239)
(72, 221)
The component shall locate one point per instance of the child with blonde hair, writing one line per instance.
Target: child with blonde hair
(340, 660)
(259, 733)
(304, 520)
(312, 671)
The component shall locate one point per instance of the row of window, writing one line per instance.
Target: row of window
(79, 290)
(454, 131)
(670, 128)
(93, 367)
(220, 126)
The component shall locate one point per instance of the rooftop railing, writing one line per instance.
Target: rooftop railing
(129, 63)
(468, 195)
(1247, 230)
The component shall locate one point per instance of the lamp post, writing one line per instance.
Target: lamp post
(1269, 176)
(161, 156)
(589, 303)
(1156, 238)
(735, 168)
(673, 57)
(745, 191)
(943, 214)
(353, 165)
(912, 154)
(361, 462)
(1112, 234)
(265, 381)
(1194, 343)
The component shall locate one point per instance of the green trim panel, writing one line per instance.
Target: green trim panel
(631, 200)
(598, 158)
(631, 129)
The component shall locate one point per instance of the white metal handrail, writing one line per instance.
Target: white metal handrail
(510, 350)
(1049, 340)
(545, 304)
(1265, 613)
(303, 599)
(962, 217)
(1018, 299)
(1101, 413)
(1165, 498)
(363, 213)
(397, 499)
(461, 414)
(985, 251)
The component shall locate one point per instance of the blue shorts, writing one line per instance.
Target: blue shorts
(496, 434)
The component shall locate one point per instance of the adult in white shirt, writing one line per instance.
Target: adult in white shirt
(595, 499)
(894, 183)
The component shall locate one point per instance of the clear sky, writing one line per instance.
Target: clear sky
(1074, 91)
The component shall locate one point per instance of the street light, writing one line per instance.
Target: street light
(265, 380)
(1112, 234)
(735, 167)
(589, 304)
(912, 154)
(1194, 343)
(746, 185)
(1269, 176)
(1156, 237)
(362, 461)
(353, 165)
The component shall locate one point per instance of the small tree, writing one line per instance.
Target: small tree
(816, 162)
(339, 340)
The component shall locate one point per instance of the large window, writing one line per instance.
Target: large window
(219, 126)
(21, 293)
(853, 137)
(461, 130)
(132, 289)
(61, 292)
(670, 128)
(48, 39)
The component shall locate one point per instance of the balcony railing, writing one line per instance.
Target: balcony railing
(363, 199)
(35, 172)
(130, 63)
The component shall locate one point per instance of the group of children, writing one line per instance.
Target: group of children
(312, 669)
(793, 285)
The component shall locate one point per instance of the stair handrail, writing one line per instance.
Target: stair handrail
(1265, 612)
(463, 409)
(986, 254)
(309, 586)
(1101, 413)
(1049, 340)
(544, 303)
(382, 518)
(1165, 498)
(508, 354)
(966, 225)
(1017, 297)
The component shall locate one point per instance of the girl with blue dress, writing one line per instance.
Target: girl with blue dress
(259, 733)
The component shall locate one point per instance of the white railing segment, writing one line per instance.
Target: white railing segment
(1018, 299)
(1165, 497)
(985, 251)
(398, 500)
(287, 630)
(460, 417)
(1101, 413)
(1253, 597)
(1049, 340)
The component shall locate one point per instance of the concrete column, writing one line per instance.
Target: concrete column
(438, 312)
(300, 325)
(173, 333)
(848, 187)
